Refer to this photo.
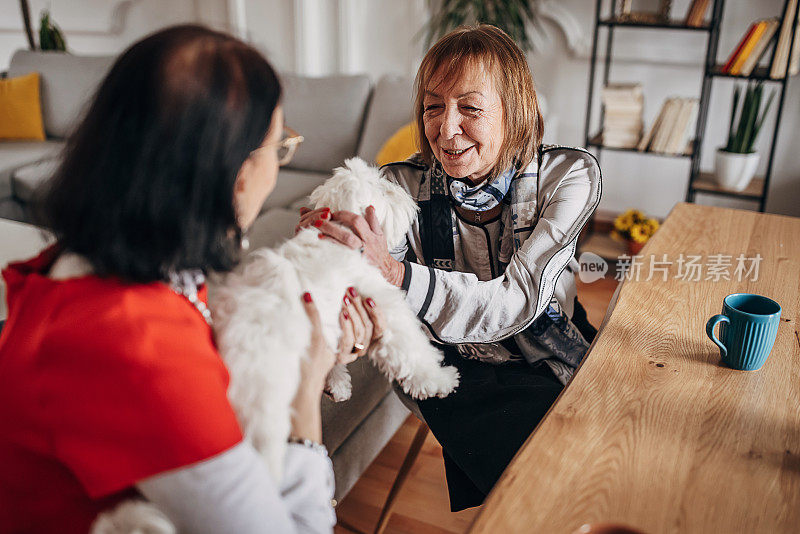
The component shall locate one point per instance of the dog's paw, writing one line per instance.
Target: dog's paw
(438, 382)
(338, 384)
(339, 392)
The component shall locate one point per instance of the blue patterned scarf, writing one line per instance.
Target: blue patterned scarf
(482, 197)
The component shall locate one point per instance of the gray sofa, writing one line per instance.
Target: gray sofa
(340, 117)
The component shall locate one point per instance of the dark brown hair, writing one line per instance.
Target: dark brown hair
(146, 184)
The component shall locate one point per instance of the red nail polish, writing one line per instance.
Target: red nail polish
(321, 236)
(326, 210)
(326, 215)
(307, 296)
(370, 302)
(318, 223)
(346, 315)
(346, 300)
(352, 292)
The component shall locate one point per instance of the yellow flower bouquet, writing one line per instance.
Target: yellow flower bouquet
(634, 227)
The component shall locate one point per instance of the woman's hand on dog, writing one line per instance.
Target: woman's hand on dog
(356, 232)
(360, 320)
(308, 217)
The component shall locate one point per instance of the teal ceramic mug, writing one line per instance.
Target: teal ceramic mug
(748, 330)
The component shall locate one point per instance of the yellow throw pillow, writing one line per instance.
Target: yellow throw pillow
(21, 108)
(400, 146)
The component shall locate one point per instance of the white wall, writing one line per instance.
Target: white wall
(101, 27)
(377, 37)
(384, 34)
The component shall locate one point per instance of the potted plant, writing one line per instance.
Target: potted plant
(635, 228)
(50, 36)
(735, 164)
(515, 17)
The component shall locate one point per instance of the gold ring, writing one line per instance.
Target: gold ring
(357, 347)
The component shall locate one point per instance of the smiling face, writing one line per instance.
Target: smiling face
(463, 120)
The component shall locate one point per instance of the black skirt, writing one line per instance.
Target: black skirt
(482, 425)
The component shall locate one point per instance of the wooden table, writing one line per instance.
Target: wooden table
(17, 241)
(653, 432)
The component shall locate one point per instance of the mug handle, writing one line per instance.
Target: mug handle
(710, 332)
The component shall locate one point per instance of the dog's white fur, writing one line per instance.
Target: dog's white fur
(263, 331)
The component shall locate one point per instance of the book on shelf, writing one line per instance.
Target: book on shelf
(672, 129)
(747, 49)
(697, 13)
(623, 104)
(751, 47)
(661, 137)
(684, 124)
(760, 47)
(784, 43)
(736, 51)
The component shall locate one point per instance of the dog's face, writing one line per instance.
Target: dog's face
(358, 185)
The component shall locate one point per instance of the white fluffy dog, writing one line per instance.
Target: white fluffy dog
(263, 331)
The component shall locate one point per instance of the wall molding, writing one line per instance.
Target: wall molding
(116, 25)
(579, 41)
(307, 32)
(237, 17)
(349, 58)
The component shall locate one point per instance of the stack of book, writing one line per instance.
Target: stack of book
(756, 42)
(791, 19)
(697, 13)
(622, 123)
(672, 130)
(751, 47)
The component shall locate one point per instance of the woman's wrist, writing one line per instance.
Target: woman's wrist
(306, 416)
(393, 271)
(311, 387)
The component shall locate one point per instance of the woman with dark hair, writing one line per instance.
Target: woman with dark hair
(488, 266)
(110, 382)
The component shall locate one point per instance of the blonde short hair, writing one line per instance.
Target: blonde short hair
(492, 49)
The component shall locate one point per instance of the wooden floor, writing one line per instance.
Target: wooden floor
(423, 506)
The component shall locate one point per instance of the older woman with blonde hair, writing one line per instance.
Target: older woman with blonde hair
(488, 266)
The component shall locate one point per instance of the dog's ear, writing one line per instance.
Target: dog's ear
(358, 185)
(351, 187)
(400, 212)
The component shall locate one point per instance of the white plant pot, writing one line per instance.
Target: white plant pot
(734, 171)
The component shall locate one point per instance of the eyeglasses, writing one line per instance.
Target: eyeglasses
(286, 146)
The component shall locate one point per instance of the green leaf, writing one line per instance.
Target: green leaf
(760, 121)
(737, 93)
(515, 17)
(749, 118)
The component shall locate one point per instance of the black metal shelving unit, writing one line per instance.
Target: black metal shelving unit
(699, 182)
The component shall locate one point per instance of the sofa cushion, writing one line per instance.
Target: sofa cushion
(16, 154)
(272, 227)
(68, 82)
(21, 108)
(26, 180)
(391, 107)
(292, 185)
(329, 113)
(401, 146)
(339, 419)
(12, 210)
